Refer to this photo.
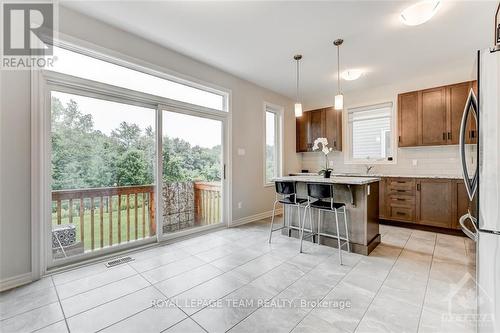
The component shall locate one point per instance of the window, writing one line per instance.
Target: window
(272, 148)
(371, 133)
(83, 66)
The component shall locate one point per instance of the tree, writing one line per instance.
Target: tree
(128, 135)
(131, 169)
(83, 157)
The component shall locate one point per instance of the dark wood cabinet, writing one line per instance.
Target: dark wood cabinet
(434, 202)
(320, 123)
(425, 201)
(462, 202)
(317, 124)
(333, 130)
(433, 124)
(382, 192)
(407, 119)
(302, 132)
(400, 199)
(433, 117)
(457, 97)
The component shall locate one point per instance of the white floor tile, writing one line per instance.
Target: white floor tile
(154, 319)
(101, 295)
(33, 320)
(110, 313)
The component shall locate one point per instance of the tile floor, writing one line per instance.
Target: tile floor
(233, 280)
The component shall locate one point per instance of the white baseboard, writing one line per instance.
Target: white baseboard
(256, 217)
(15, 281)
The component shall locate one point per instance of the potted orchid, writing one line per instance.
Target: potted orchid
(326, 172)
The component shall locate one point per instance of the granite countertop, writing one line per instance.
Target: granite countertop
(343, 180)
(383, 175)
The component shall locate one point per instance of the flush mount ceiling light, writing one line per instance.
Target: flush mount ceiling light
(420, 12)
(298, 105)
(339, 98)
(352, 74)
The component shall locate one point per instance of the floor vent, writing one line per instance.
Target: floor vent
(119, 261)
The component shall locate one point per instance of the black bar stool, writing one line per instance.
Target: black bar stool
(323, 193)
(286, 194)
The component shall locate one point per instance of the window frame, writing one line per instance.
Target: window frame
(348, 158)
(135, 64)
(44, 81)
(278, 111)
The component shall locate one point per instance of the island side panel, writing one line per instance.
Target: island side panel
(372, 218)
(362, 217)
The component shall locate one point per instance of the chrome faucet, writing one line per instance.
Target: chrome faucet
(368, 168)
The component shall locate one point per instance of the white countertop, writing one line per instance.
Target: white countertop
(343, 180)
(382, 175)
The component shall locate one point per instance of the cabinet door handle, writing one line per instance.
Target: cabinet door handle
(400, 199)
(401, 213)
(399, 139)
(418, 187)
(472, 134)
(444, 136)
(449, 135)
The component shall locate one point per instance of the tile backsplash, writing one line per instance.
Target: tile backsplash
(438, 160)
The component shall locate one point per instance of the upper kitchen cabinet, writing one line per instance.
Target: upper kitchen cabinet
(433, 122)
(407, 118)
(320, 123)
(333, 128)
(302, 132)
(457, 97)
(432, 117)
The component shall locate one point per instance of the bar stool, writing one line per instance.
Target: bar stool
(323, 193)
(286, 194)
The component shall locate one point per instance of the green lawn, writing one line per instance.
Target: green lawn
(106, 227)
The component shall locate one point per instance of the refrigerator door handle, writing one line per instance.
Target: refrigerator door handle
(470, 183)
(471, 234)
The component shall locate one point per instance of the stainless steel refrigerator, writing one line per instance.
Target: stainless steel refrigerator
(482, 182)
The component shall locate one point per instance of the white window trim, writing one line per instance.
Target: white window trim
(41, 83)
(348, 137)
(120, 59)
(279, 111)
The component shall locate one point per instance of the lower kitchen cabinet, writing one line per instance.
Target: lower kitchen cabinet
(434, 202)
(425, 201)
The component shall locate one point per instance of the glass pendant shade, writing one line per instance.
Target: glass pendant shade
(339, 102)
(298, 109)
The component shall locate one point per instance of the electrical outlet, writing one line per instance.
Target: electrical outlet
(241, 151)
(414, 163)
(240, 205)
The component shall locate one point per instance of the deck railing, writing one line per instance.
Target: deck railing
(207, 202)
(106, 216)
(113, 215)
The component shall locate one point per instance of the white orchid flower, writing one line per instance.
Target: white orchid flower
(323, 141)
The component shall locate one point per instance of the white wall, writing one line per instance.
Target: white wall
(439, 160)
(247, 129)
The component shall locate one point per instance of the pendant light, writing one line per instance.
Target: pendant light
(339, 98)
(298, 105)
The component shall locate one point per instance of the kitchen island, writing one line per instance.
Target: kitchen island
(360, 194)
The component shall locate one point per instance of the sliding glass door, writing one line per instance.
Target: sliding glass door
(192, 172)
(102, 175)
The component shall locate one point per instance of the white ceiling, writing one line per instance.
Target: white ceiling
(257, 40)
